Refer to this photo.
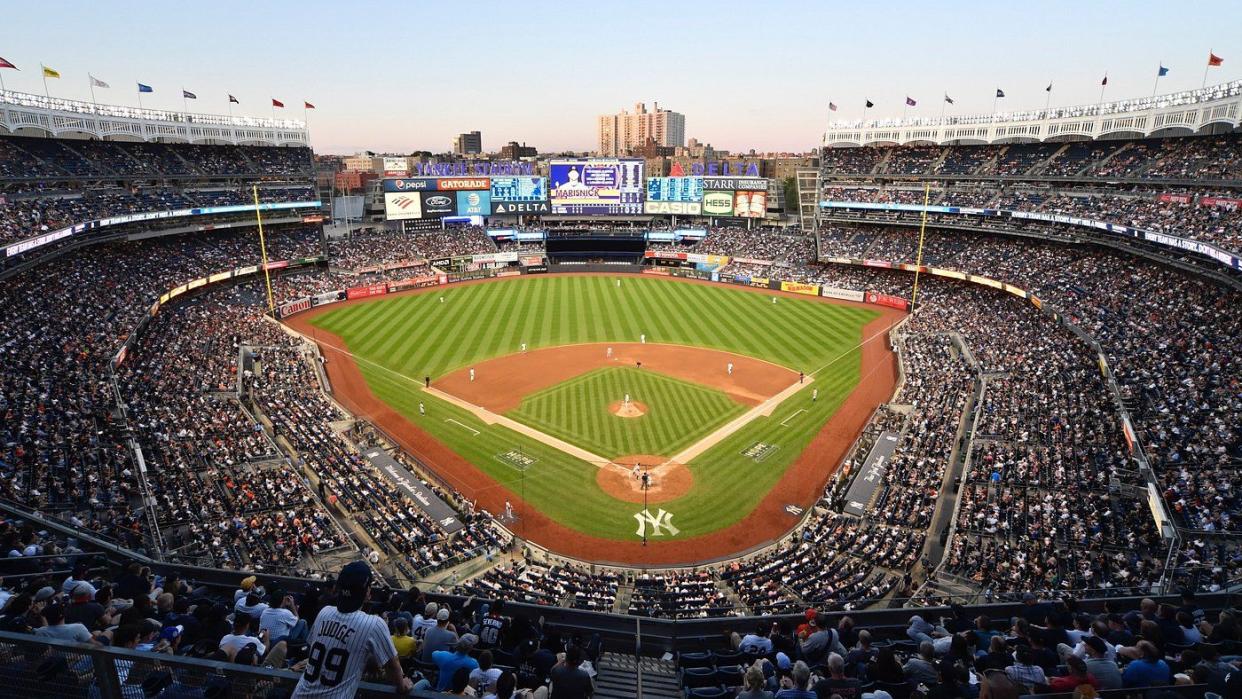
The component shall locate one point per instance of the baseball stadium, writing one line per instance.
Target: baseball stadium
(934, 406)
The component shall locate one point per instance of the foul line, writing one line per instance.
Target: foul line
(800, 410)
(449, 419)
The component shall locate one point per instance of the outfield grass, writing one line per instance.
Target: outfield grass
(679, 413)
(398, 340)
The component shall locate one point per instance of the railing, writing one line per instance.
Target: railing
(14, 99)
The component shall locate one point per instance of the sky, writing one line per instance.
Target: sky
(400, 76)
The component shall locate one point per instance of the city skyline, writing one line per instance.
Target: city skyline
(538, 75)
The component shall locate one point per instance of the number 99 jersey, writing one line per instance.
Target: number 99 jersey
(338, 651)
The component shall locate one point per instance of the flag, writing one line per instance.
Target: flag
(50, 73)
(144, 88)
(832, 107)
(870, 104)
(910, 102)
(6, 64)
(948, 99)
(96, 82)
(187, 95)
(307, 105)
(1049, 88)
(233, 100)
(1213, 59)
(1104, 81)
(277, 103)
(1162, 72)
(1000, 92)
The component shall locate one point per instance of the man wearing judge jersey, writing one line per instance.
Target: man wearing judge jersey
(346, 641)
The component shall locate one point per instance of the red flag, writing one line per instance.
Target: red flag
(6, 64)
(277, 103)
(307, 105)
(1214, 60)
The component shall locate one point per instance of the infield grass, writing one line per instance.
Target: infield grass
(398, 340)
(679, 413)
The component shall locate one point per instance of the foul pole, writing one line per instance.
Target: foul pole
(918, 262)
(267, 275)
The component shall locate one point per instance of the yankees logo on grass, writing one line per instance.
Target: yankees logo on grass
(660, 521)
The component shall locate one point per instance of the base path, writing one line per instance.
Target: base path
(800, 485)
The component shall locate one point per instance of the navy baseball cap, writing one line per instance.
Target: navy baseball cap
(352, 584)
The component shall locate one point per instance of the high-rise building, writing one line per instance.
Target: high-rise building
(624, 133)
(468, 143)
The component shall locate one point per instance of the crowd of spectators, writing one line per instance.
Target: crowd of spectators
(53, 159)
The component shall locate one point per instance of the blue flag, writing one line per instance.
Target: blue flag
(186, 94)
(1163, 72)
(144, 88)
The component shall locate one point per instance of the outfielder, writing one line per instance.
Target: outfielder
(421, 409)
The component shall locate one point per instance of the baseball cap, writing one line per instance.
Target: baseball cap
(782, 661)
(247, 584)
(83, 588)
(442, 615)
(877, 694)
(352, 584)
(429, 612)
(44, 594)
(1096, 643)
(470, 639)
(172, 633)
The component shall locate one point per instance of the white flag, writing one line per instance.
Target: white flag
(96, 82)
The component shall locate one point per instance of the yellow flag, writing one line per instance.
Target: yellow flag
(49, 73)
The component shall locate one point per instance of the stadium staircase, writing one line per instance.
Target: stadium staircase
(618, 678)
(730, 594)
(1105, 160)
(882, 166)
(625, 591)
(1042, 165)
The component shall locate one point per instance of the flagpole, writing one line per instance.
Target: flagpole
(995, 96)
(943, 102)
(90, 80)
(1156, 83)
(1201, 85)
(1048, 100)
(185, 104)
(43, 72)
(1103, 85)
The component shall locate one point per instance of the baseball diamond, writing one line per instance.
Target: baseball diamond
(551, 401)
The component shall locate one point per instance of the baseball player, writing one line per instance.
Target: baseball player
(509, 510)
(642, 339)
(609, 353)
(814, 394)
(730, 368)
(345, 639)
(472, 373)
(523, 346)
(421, 409)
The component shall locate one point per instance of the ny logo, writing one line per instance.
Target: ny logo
(660, 521)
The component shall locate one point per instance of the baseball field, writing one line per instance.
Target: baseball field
(545, 391)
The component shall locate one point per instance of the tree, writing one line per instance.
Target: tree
(792, 205)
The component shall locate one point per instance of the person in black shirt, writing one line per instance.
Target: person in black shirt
(570, 681)
(493, 626)
(836, 682)
(13, 619)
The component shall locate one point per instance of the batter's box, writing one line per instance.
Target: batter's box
(760, 451)
(516, 459)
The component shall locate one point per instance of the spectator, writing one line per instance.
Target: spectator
(794, 685)
(439, 638)
(569, 681)
(836, 682)
(1149, 670)
(1077, 675)
(754, 683)
(921, 668)
(401, 638)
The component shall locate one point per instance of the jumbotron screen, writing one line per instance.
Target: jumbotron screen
(597, 186)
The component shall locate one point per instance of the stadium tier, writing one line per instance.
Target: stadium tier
(642, 412)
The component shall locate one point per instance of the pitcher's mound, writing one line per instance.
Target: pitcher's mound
(666, 480)
(633, 409)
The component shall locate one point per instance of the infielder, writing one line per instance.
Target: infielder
(642, 339)
(472, 373)
(346, 640)
(730, 368)
(610, 353)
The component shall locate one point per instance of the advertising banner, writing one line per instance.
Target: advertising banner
(400, 207)
(537, 269)
(416, 283)
(718, 203)
(520, 207)
(868, 480)
(440, 262)
(530, 260)
(296, 306)
(659, 271)
(664, 254)
(1175, 198)
(1223, 202)
(328, 297)
(361, 292)
(474, 203)
(674, 208)
(800, 288)
(750, 204)
(887, 300)
(877, 263)
(519, 189)
(985, 281)
(748, 184)
(454, 184)
(843, 294)
(396, 167)
(675, 189)
(437, 204)
(492, 257)
(951, 274)
(761, 282)
(410, 184)
(599, 186)
(699, 258)
(409, 485)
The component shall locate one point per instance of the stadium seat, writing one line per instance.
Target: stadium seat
(690, 660)
(698, 677)
(707, 692)
(898, 690)
(724, 657)
(729, 675)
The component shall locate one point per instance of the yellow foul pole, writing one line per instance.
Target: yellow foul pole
(267, 275)
(918, 263)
